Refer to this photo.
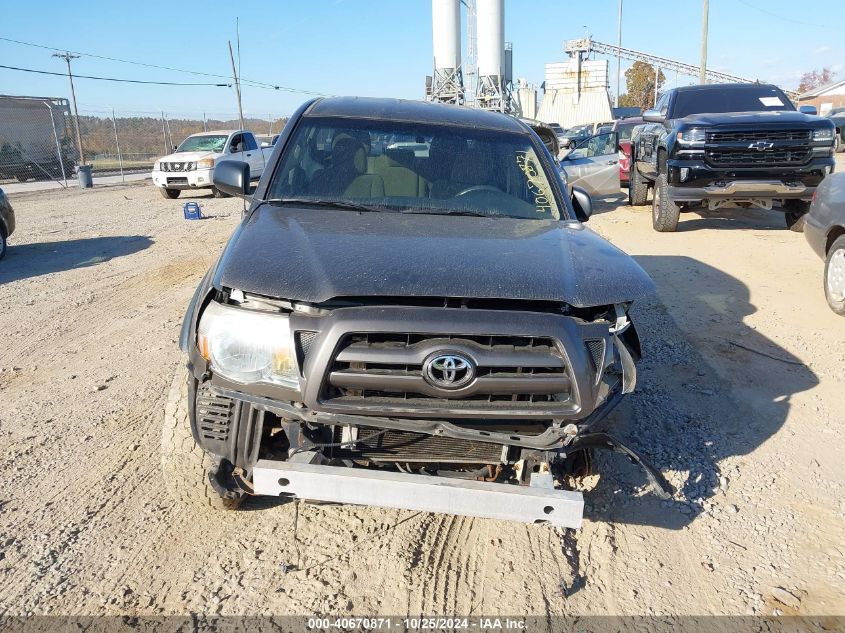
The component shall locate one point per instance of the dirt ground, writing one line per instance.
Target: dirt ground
(739, 402)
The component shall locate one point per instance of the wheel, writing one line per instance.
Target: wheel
(170, 194)
(664, 212)
(637, 187)
(794, 212)
(834, 276)
(219, 194)
(2, 243)
(187, 469)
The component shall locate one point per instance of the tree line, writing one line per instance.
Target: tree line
(149, 135)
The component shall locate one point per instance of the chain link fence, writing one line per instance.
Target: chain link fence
(36, 142)
(38, 139)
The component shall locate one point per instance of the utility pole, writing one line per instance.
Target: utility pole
(702, 76)
(618, 54)
(67, 56)
(237, 84)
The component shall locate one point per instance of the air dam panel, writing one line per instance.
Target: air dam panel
(335, 484)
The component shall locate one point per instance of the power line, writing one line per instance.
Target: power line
(783, 17)
(251, 82)
(130, 81)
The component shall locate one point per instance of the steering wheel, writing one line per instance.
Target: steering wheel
(477, 188)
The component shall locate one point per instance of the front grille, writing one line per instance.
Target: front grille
(387, 370)
(753, 158)
(405, 446)
(170, 167)
(751, 136)
(756, 148)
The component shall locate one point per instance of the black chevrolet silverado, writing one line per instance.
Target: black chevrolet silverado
(728, 145)
(433, 329)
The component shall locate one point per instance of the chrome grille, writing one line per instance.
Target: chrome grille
(177, 167)
(387, 369)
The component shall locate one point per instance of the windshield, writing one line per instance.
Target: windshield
(414, 168)
(710, 99)
(204, 143)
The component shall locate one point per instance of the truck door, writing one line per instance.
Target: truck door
(594, 165)
(236, 148)
(253, 155)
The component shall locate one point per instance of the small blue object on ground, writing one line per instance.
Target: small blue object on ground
(192, 211)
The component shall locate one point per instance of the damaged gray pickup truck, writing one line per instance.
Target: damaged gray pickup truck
(411, 314)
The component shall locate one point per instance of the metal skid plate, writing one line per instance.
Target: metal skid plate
(338, 484)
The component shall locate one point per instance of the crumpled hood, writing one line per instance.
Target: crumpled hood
(314, 255)
(750, 118)
(187, 157)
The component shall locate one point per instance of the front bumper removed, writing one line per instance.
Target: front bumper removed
(535, 503)
(525, 504)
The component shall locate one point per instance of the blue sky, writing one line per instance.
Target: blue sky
(379, 47)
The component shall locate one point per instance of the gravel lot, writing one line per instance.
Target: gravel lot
(739, 402)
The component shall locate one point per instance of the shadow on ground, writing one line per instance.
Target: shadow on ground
(41, 258)
(738, 219)
(686, 416)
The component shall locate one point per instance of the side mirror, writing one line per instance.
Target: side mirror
(654, 116)
(175, 148)
(583, 203)
(232, 177)
(808, 109)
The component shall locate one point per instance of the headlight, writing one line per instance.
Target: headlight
(247, 346)
(823, 134)
(205, 163)
(693, 136)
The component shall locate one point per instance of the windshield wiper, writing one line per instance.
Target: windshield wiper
(328, 204)
(474, 214)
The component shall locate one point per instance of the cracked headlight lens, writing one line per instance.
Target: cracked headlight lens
(247, 346)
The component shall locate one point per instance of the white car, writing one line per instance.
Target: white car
(192, 164)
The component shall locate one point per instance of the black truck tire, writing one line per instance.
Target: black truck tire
(186, 467)
(637, 187)
(170, 194)
(834, 275)
(664, 212)
(794, 212)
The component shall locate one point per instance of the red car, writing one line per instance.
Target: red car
(623, 128)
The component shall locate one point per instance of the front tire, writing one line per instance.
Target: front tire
(834, 276)
(664, 212)
(794, 212)
(170, 194)
(187, 469)
(637, 187)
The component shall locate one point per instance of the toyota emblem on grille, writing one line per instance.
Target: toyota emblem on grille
(448, 371)
(761, 145)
